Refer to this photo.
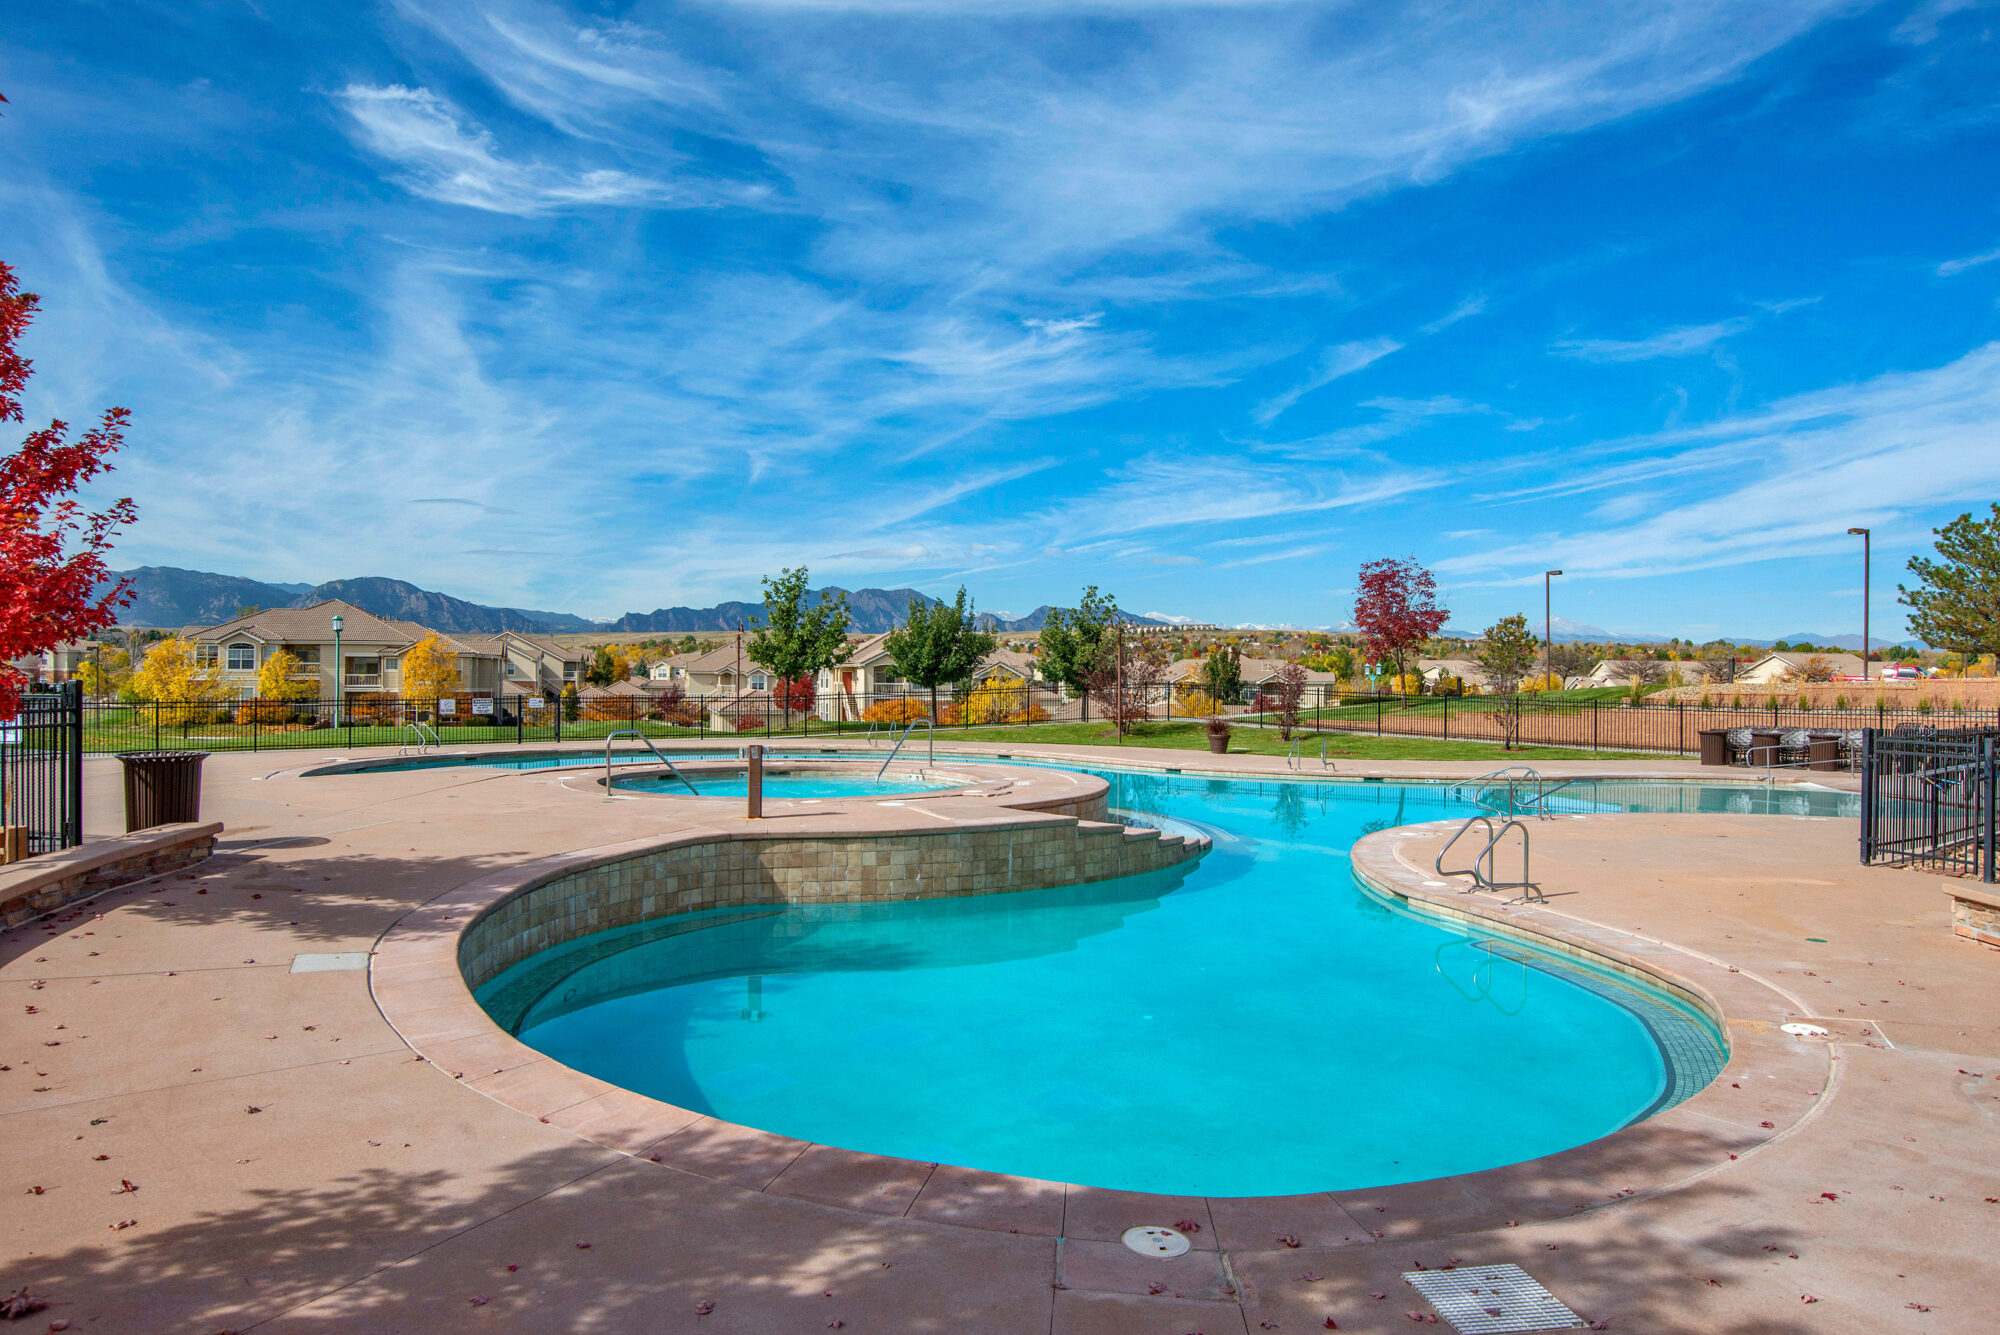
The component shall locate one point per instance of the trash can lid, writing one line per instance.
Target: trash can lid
(130, 757)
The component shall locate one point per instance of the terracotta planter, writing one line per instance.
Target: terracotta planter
(1218, 743)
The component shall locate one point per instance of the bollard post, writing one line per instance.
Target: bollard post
(755, 755)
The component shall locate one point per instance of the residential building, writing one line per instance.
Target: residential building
(1792, 666)
(371, 650)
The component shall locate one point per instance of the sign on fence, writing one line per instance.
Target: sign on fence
(447, 705)
(482, 706)
(536, 702)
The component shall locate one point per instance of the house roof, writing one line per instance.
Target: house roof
(1010, 660)
(306, 625)
(452, 643)
(1848, 665)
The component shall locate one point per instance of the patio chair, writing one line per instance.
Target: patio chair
(1739, 744)
(1793, 744)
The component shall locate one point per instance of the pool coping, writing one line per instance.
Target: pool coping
(1771, 1085)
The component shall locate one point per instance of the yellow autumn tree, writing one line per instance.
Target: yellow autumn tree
(280, 678)
(1194, 703)
(105, 672)
(183, 691)
(429, 670)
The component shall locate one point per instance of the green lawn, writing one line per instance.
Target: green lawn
(1192, 736)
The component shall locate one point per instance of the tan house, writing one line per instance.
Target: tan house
(1791, 665)
(55, 665)
(371, 650)
(530, 665)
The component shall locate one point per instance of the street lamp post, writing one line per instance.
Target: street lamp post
(1865, 542)
(339, 674)
(1548, 630)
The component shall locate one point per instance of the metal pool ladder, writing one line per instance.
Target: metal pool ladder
(634, 732)
(1293, 759)
(1483, 868)
(427, 739)
(930, 734)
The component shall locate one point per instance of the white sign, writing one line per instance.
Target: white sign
(536, 702)
(447, 705)
(10, 735)
(482, 706)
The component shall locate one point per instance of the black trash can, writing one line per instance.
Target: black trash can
(1714, 746)
(161, 787)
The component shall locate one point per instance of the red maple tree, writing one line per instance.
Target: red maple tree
(1396, 609)
(52, 567)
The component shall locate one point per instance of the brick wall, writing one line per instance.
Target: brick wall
(44, 884)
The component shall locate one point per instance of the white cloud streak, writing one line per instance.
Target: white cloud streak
(1686, 341)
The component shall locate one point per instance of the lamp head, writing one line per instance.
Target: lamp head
(1861, 531)
(337, 622)
(1552, 572)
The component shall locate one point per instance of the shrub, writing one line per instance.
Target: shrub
(1196, 703)
(1032, 714)
(1923, 704)
(1840, 702)
(1773, 702)
(1736, 703)
(895, 711)
(1705, 702)
(609, 709)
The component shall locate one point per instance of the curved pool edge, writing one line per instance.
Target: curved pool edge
(422, 992)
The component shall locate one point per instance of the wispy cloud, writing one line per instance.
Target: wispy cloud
(1342, 359)
(1685, 341)
(1957, 266)
(447, 159)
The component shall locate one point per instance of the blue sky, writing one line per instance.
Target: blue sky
(607, 307)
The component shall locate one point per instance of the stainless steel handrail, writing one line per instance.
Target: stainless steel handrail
(634, 732)
(436, 742)
(1473, 870)
(929, 732)
(1483, 877)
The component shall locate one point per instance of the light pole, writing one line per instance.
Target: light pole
(1865, 541)
(1548, 630)
(339, 676)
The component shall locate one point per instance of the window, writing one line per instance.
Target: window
(307, 654)
(364, 671)
(390, 664)
(242, 657)
(205, 655)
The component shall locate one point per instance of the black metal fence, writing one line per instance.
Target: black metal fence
(1928, 800)
(1665, 728)
(41, 770)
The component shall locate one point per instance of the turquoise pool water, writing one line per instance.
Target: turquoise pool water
(788, 784)
(1255, 1026)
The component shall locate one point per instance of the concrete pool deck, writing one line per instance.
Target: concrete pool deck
(369, 1190)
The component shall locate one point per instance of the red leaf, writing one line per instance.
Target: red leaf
(478, 1302)
(704, 1307)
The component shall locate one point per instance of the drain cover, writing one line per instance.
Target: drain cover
(1486, 1299)
(1804, 1030)
(1157, 1240)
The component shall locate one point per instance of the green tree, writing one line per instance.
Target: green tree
(1223, 673)
(572, 706)
(795, 640)
(1956, 603)
(603, 669)
(1508, 654)
(1073, 640)
(939, 642)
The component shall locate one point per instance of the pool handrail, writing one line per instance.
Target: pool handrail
(436, 743)
(1486, 861)
(657, 755)
(930, 733)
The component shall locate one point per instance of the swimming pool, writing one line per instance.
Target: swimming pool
(858, 781)
(1254, 1025)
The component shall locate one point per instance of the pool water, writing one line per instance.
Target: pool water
(791, 784)
(1256, 1025)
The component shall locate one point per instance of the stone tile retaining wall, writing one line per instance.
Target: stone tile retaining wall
(44, 884)
(718, 869)
(1975, 912)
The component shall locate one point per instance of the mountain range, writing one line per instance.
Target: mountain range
(170, 597)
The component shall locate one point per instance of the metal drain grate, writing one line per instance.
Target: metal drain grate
(1486, 1299)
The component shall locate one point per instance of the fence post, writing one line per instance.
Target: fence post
(1593, 725)
(156, 725)
(1867, 796)
(1446, 705)
(73, 828)
(1378, 716)
(1988, 774)
(1681, 728)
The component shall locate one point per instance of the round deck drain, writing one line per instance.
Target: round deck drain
(1157, 1240)
(1804, 1030)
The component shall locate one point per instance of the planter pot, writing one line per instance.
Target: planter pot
(1218, 745)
